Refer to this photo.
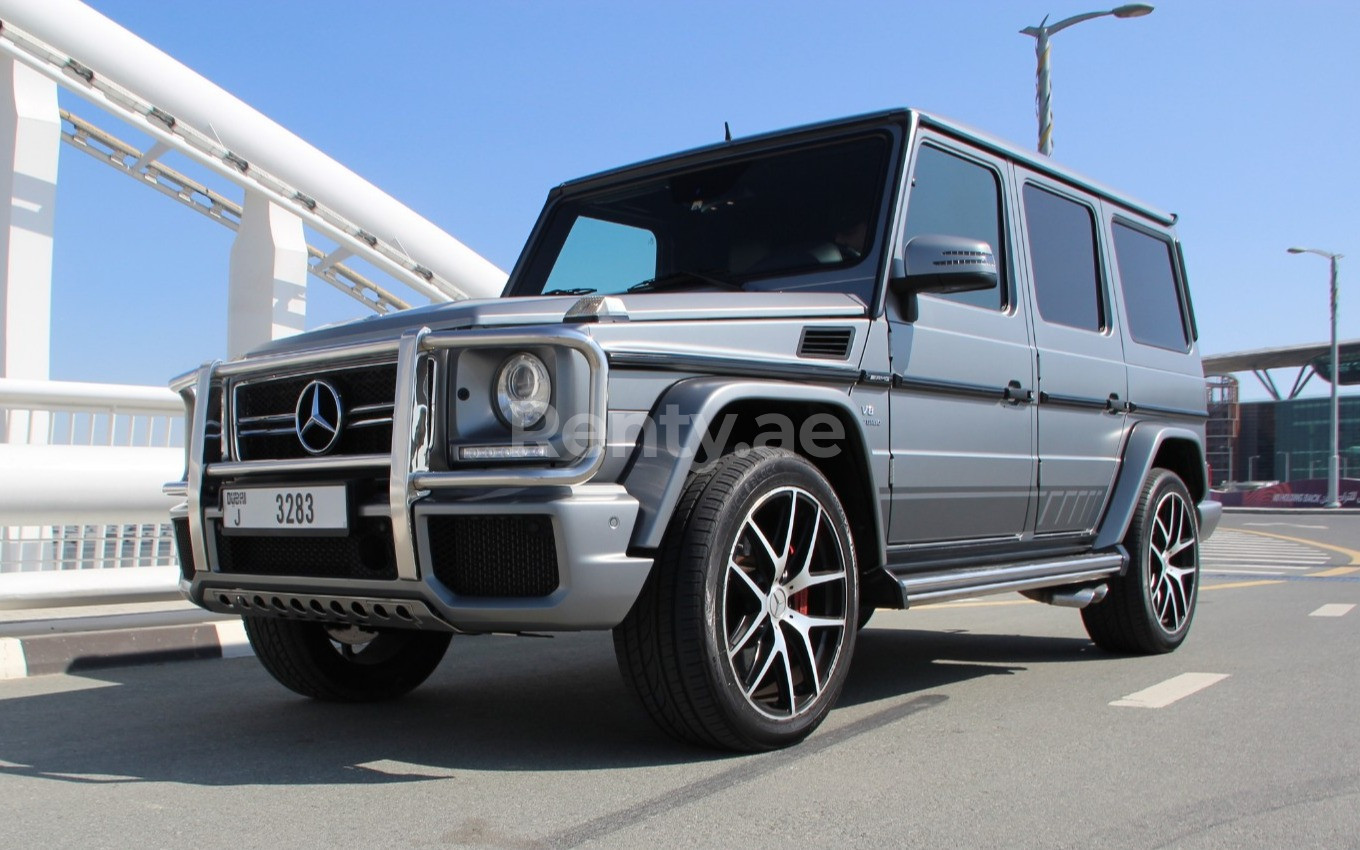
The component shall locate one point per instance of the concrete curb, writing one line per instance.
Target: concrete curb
(76, 651)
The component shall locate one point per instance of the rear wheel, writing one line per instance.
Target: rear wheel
(344, 663)
(1149, 609)
(742, 636)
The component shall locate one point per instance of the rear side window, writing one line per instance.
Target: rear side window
(952, 196)
(1147, 276)
(1062, 247)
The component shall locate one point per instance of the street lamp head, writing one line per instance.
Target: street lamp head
(1041, 35)
(1328, 254)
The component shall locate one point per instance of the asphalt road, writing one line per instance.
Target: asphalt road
(988, 724)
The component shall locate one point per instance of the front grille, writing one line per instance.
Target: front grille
(184, 548)
(365, 553)
(506, 556)
(265, 412)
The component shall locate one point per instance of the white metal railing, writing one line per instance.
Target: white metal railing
(82, 514)
(70, 413)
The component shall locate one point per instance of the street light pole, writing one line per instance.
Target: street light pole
(1043, 94)
(1334, 462)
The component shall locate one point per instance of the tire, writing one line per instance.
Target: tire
(730, 645)
(865, 612)
(344, 664)
(1150, 607)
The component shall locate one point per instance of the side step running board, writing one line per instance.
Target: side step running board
(1034, 575)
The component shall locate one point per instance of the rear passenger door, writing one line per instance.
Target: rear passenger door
(1083, 384)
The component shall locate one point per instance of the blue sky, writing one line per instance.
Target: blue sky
(1242, 117)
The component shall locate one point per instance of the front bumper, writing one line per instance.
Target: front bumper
(595, 582)
(431, 546)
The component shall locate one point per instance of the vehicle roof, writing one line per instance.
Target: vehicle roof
(902, 117)
(1043, 164)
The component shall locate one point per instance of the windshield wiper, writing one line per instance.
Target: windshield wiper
(579, 291)
(684, 277)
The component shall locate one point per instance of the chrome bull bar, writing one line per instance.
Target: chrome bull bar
(413, 428)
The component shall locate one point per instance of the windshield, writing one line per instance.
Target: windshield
(792, 219)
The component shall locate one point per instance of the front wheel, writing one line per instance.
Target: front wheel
(1150, 607)
(344, 663)
(742, 636)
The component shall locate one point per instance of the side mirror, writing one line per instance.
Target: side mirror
(944, 264)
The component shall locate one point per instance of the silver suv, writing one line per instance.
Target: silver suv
(730, 402)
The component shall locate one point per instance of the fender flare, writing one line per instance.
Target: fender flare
(1143, 444)
(664, 455)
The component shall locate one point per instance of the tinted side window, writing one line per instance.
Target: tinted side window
(951, 196)
(1062, 247)
(1147, 276)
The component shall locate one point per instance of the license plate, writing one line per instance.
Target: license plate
(286, 510)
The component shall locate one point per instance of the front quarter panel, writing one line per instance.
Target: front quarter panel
(683, 417)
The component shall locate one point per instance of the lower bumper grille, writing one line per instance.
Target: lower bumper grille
(184, 549)
(506, 556)
(365, 553)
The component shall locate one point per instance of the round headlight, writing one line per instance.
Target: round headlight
(523, 390)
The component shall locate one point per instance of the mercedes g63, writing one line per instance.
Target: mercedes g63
(730, 402)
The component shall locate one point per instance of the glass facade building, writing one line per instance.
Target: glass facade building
(1289, 441)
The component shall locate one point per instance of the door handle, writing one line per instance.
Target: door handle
(1014, 393)
(1114, 405)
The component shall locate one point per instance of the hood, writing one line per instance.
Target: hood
(636, 307)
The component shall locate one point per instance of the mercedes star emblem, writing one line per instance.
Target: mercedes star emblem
(318, 417)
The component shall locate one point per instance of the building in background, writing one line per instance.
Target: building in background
(1285, 438)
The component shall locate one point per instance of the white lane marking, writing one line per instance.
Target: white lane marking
(407, 769)
(1231, 562)
(1336, 609)
(231, 636)
(1286, 551)
(13, 664)
(1164, 693)
(1218, 570)
(93, 777)
(1287, 525)
(1260, 552)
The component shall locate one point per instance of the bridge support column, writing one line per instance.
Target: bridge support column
(267, 290)
(30, 138)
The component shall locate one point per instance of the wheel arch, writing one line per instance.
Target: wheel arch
(698, 419)
(1152, 445)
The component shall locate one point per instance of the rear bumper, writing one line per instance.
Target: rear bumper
(1210, 512)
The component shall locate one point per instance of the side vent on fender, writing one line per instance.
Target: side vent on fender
(826, 343)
